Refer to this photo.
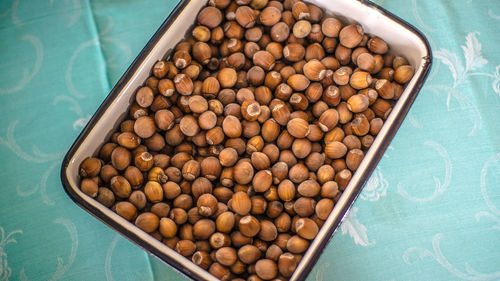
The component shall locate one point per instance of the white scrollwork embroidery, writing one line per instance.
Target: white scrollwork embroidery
(321, 271)
(460, 73)
(418, 18)
(77, 11)
(494, 213)
(5, 270)
(440, 188)
(28, 73)
(62, 267)
(109, 254)
(350, 224)
(37, 157)
(437, 255)
(375, 188)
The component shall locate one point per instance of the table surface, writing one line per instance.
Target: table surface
(429, 212)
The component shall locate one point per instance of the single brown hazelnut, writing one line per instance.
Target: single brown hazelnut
(360, 80)
(351, 35)
(280, 32)
(306, 228)
(249, 226)
(245, 16)
(270, 16)
(298, 128)
(360, 125)
(147, 221)
(266, 269)
(328, 120)
(314, 70)
(201, 259)
(210, 17)
(120, 186)
(219, 271)
(331, 27)
(227, 77)
(203, 228)
(287, 264)
(377, 45)
(226, 256)
(249, 254)
(403, 73)
(91, 166)
(297, 244)
(358, 103)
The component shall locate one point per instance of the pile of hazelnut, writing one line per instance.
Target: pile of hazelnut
(237, 147)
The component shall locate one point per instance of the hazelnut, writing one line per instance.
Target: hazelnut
(144, 127)
(120, 186)
(207, 204)
(403, 73)
(266, 269)
(183, 84)
(315, 51)
(328, 120)
(203, 228)
(91, 167)
(377, 45)
(202, 53)
(245, 16)
(226, 256)
(214, 136)
(309, 188)
(357, 103)
(306, 228)
(201, 33)
(262, 180)
(185, 247)
(105, 196)
(385, 88)
(335, 150)
(227, 77)
(360, 125)
(126, 210)
(302, 28)
(350, 36)
(89, 187)
(280, 32)
(210, 17)
(270, 16)
(268, 231)
(360, 80)
(153, 191)
(314, 70)
(298, 82)
(249, 226)
(219, 271)
(294, 52)
(331, 95)
(147, 221)
(249, 254)
(301, 148)
(366, 62)
(201, 259)
(298, 128)
(264, 59)
(287, 264)
(297, 244)
(331, 27)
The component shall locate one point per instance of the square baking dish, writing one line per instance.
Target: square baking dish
(404, 40)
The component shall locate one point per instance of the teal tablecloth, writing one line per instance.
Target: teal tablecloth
(431, 210)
